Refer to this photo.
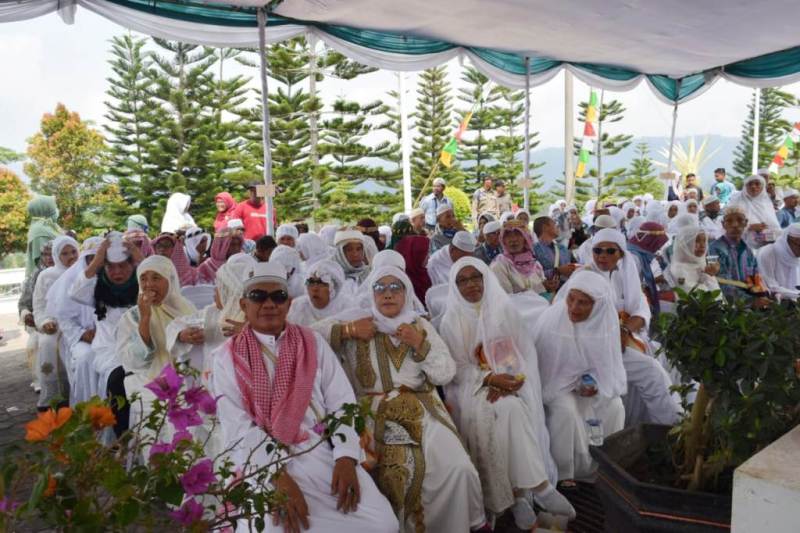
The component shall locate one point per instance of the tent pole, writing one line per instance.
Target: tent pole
(756, 128)
(569, 173)
(262, 52)
(405, 144)
(527, 170)
(671, 145)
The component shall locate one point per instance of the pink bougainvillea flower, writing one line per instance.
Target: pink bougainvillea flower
(8, 506)
(167, 385)
(199, 398)
(319, 428)
(183, 418)
(190, 512)
(161, 448)
(197, 479)
(181, 436)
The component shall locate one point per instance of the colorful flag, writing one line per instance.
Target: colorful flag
(451, 148)
(589, 133)
(785, 149)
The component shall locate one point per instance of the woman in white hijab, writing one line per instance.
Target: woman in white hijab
(142, 330)
(327, 233)
(177, 215)
(52, 371)
(580, 363)
(395, 361)
(495, 397)
(290, 259)
(382, 259)
(350, 253)
(688, 268)
(287, 235)
(312, 248)
(778, 263)
(323, 299)
(763, 226)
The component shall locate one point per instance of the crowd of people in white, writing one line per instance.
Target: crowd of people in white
(491, 359)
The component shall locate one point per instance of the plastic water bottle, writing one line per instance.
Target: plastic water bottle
(595, 432)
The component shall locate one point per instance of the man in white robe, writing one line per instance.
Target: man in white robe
(272, 363)
(778, 263)
(442, 260)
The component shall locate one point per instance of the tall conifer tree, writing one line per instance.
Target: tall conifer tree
(772, 130)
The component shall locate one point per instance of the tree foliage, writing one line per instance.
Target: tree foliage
(13, 210)
(66, 160)
(641, 177)
(772, 129)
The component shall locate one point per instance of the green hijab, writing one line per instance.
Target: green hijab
(138, 222)
(44, 227)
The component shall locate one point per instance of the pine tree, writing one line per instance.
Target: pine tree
(772, 129)
(509, 145)
(66, 160)
(641, 177)
(131, 113)
(433, 121)
(607, 144)
(476, 148)
(182, 153)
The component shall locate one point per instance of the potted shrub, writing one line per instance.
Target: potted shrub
(741, 392)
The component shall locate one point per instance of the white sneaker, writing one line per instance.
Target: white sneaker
(555, 502)
(524, 515)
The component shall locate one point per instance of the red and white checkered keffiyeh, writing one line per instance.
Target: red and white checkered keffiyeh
(278, 405)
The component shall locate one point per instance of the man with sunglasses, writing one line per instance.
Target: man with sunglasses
(277, 382)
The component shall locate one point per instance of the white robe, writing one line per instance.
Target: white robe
(52, 370)
(780, 275)
(452, 499)
(439, 265)
(312, 471)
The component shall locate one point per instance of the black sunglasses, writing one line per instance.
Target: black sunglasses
(607, 251)
(315, 281)
(259, 296)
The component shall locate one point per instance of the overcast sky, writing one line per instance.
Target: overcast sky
(45, 61)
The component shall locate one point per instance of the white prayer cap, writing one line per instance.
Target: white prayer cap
(763, 171)
(464, 240)
(647, 197)
(605, 221)
(116, 253)
(235, 223)
(444, 208)
(398, 217)
(439, 181)
(287, 230)
(793, 230)
(270, 272)
(492, 227)
(414, 213)
(347, 235)
(790, 192)
(710, 199)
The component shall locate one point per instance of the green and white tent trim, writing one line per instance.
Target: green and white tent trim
(678, 47)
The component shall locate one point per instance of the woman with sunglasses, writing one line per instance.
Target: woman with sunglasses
(323, 298)
(496, 398)
(396, 359)
(648, 398)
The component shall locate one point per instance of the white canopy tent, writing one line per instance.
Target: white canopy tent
(679, 47)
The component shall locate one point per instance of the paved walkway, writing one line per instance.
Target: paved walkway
(17, 399)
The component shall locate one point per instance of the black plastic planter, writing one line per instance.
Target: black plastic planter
(633, 506)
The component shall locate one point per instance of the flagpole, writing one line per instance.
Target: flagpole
(265, 137)
(569, 173)
(405, 143)
(756, 128)
(427, 181)
(527, 170)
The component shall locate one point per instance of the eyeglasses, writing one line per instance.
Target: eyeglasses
(315, 281)
(607, 251)
(476, 279)
(260, 296)
(394, 287)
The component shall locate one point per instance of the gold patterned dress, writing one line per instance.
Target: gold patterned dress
(418, 459)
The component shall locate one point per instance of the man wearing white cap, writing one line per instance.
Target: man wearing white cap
(440, 263)
(276, 381)
(417, 219)
(446, 227)
(490, 247)
(789, 214)
(432, 202)
(710, 217)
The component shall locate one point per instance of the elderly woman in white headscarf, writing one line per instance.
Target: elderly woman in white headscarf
(495, 396)
(176, 216)
(142, 330)
(351, 256)
(778, 263)
(763, 226)
(323, 299)
(53, 372)
(688, 268)
(395, 359)
(382, 259)
(287, 235)
(290, 259)
(582, 375)
(648, 398)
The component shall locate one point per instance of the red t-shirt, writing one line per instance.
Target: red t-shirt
(254, 219)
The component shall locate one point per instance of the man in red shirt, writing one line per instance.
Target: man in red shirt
(253, 213)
